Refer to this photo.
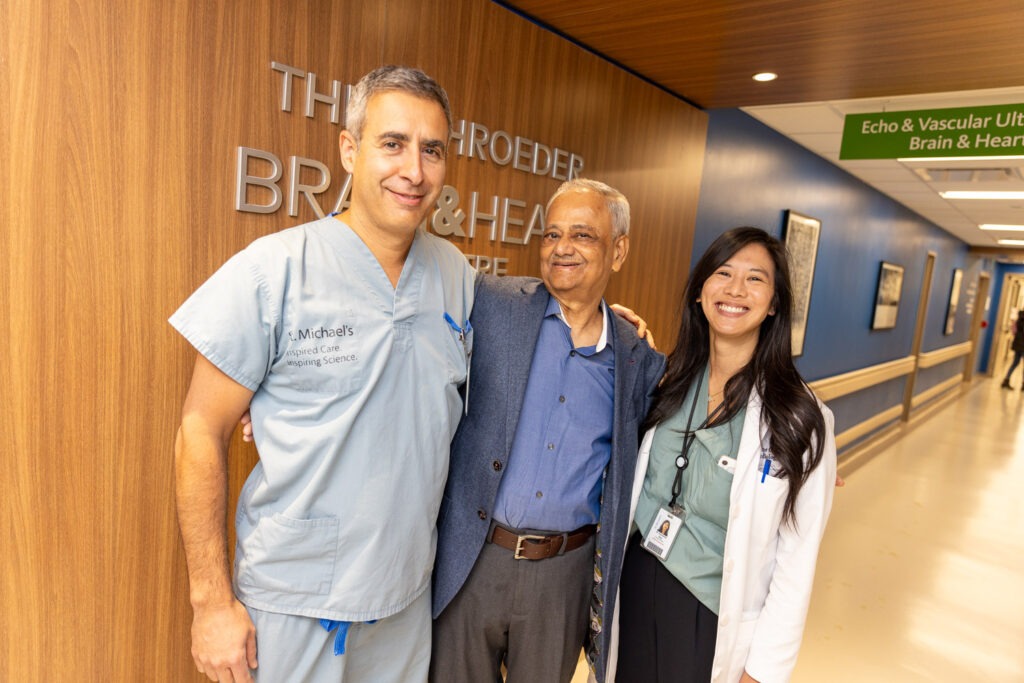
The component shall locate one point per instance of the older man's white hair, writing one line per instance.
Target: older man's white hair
(615, 201)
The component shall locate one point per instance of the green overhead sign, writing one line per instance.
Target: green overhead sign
(962, 132)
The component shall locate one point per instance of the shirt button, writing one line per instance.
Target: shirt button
(539, 494)
(561, 399)
(551, 446)
(481, 514)
(496, 465)
(573, 352)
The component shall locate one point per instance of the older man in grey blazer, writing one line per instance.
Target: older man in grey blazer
(534, 516)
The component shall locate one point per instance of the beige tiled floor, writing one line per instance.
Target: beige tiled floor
(921, 574)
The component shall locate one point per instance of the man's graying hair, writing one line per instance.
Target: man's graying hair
(615, 201)
(392, 79)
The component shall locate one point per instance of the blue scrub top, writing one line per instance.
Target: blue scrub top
(356, 402)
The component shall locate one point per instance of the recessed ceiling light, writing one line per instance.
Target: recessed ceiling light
(765, 76)
(973, 194)
(1008, 228)
(1012, 243)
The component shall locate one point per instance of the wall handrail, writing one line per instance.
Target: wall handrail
(937, 390)
(938, 356)
(829, 388)
(869, 425)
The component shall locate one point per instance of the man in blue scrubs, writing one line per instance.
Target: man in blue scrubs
(348, 338)
(535, 513)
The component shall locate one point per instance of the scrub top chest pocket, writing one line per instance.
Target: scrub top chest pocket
(708, 487)
(460, 350)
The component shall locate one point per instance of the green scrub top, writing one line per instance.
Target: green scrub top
(696, 556)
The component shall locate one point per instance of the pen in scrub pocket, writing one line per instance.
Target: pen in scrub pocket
(455, 326)
(767, 466)
(462, 331)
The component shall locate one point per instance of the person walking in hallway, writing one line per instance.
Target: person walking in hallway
(1018, 350)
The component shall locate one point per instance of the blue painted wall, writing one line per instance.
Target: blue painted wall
(752, 175)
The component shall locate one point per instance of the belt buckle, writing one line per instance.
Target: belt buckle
(519, 544)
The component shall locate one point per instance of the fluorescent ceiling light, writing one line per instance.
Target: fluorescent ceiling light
(765, 76)
(930, 159)
(1012, 243)
(978, 194)
(1008, 228)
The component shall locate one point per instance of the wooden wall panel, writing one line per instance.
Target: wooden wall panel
(118, 142)
(509, 74)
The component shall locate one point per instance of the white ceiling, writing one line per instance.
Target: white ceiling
(818, 126)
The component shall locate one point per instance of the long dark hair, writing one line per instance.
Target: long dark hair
(789, 411)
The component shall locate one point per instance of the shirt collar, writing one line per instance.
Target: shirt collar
(555, 309)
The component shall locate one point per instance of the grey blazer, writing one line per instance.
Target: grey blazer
(506, 319)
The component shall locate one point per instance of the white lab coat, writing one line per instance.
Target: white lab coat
(768, 566)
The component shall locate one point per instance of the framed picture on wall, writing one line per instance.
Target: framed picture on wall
(887, 300)
(801, 237)
(954, 299)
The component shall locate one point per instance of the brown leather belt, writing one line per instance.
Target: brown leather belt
(533, 547)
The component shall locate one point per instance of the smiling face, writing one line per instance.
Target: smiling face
(739, 295)
(398, 165)
(578, 253)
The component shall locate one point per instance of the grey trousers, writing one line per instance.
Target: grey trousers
(531, 615)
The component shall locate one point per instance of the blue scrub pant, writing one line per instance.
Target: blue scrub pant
(395, 649)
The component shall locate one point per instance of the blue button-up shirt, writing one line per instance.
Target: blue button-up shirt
(564, 437)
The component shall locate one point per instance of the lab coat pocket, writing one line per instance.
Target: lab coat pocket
(745, 632)
(293, 555)
(769, 499)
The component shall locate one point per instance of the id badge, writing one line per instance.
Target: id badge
(662, 534)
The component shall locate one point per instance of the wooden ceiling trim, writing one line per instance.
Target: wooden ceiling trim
(828, 50)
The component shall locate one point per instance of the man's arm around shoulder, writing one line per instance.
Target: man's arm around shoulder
(652, 361)
(654, 369)
(223, 635)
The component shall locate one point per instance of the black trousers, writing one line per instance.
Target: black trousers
(665, 634)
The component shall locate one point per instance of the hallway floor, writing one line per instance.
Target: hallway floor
(921, 573)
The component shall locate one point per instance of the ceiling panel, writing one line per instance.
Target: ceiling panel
(833, 57)
(825, 50)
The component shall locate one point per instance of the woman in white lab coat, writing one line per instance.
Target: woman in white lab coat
(740, 460)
